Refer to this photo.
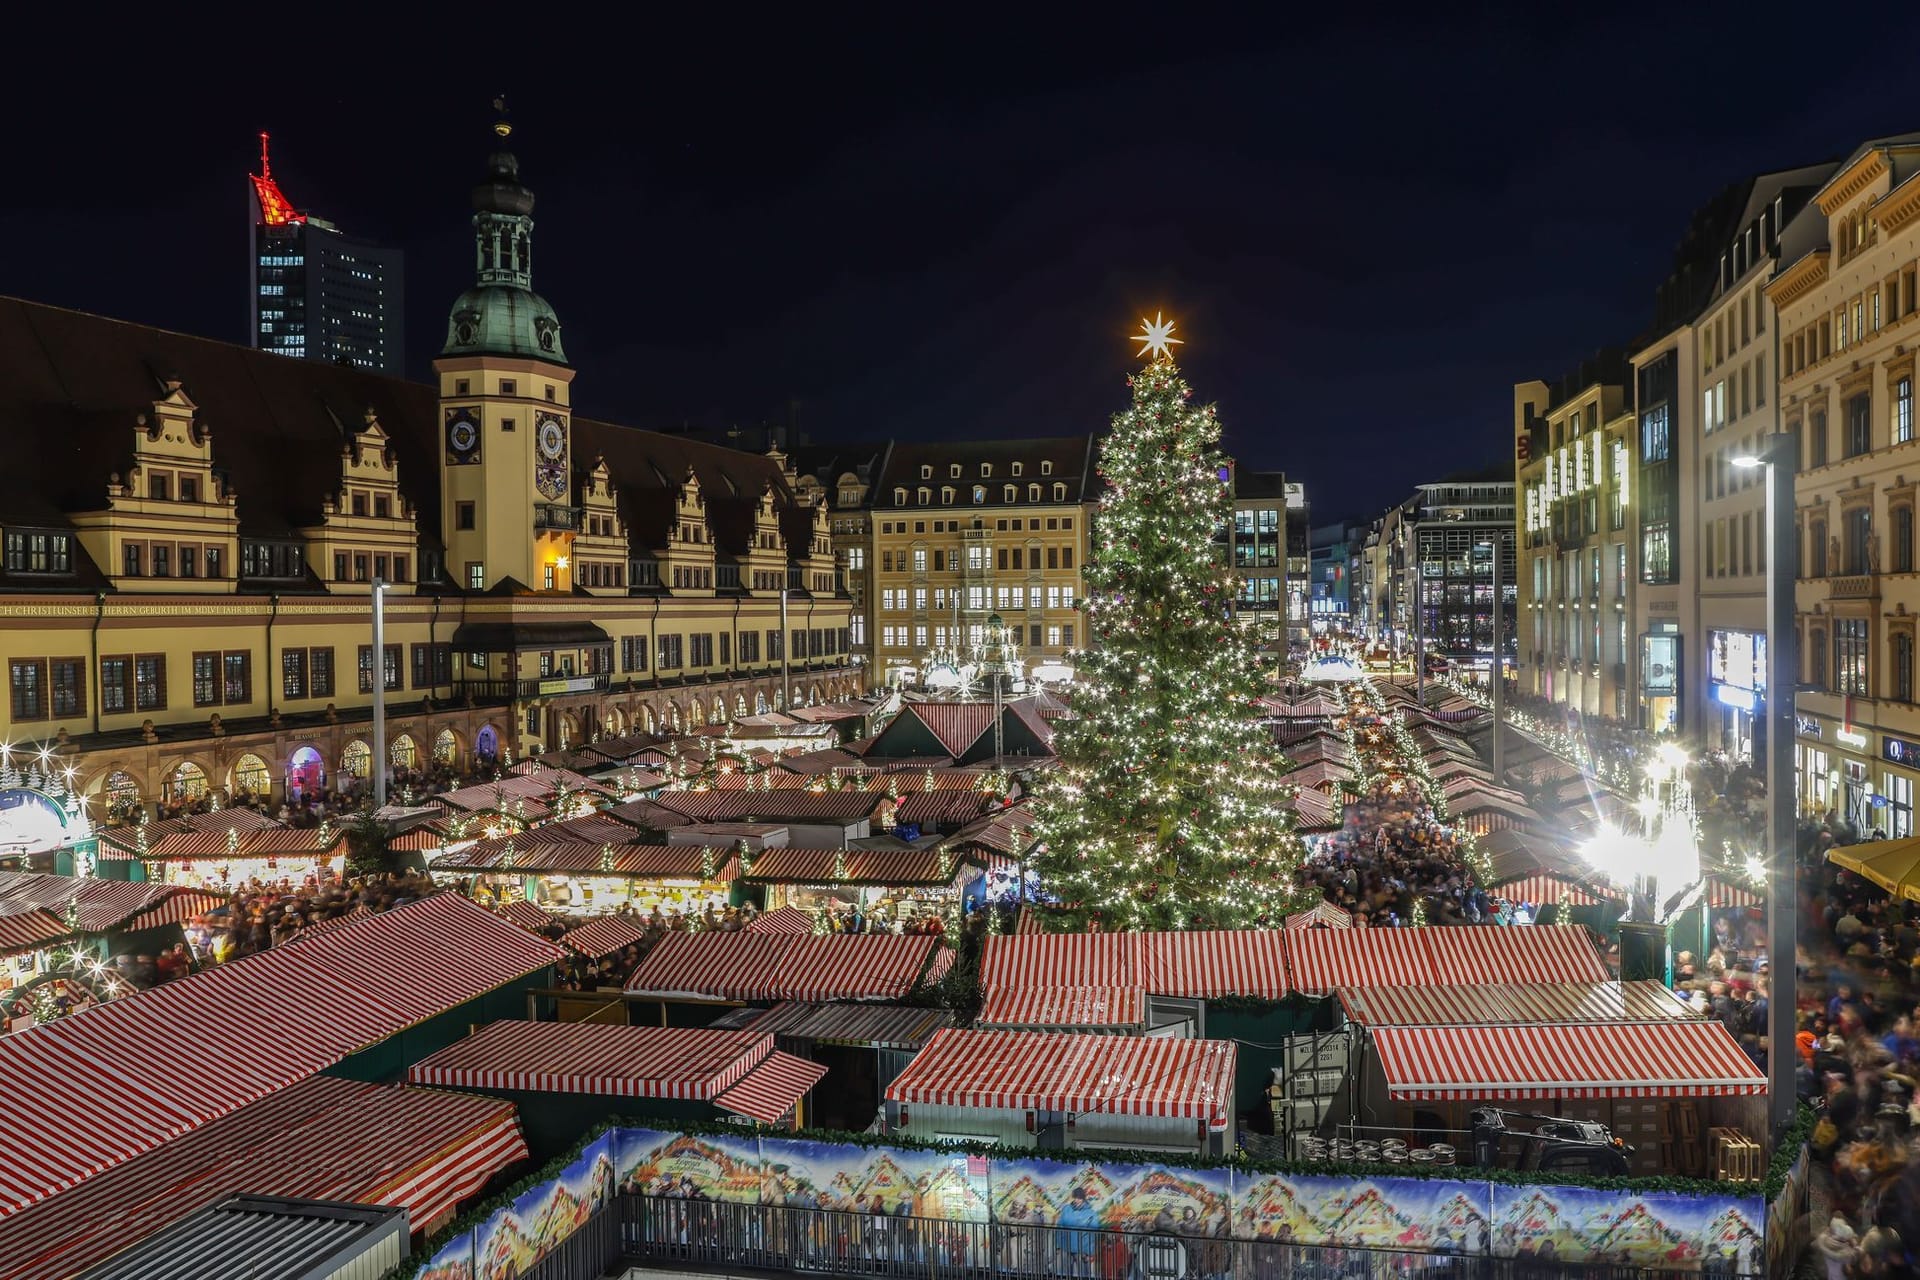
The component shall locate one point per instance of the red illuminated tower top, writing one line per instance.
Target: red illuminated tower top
(275, 209)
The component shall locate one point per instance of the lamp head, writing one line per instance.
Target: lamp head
(1749, 460)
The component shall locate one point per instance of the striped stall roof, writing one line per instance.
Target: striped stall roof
(594, 1057)
(1605, 1060)
(940, 808)
(1084, 1074)
(1322, 960)
(29, 930)
(421, 839)
(750, 966)
(358, 913)
(1318, 775)
(1321, 914)
(174, 909)
(537, 851)
(790, 804)
(1007, 831)
(602, 936)
(1514, 1003)
(1064, 1007)
(954, 725)
(940, 966)
(204, 846)
(1316, 810)
(711, 966)
(788, 919)
(771, 1090)
(1542, 888)
(526, 915)
(1203, 965)
(101, 904)
(321, 1139)
(89, 1092)
(903, 867)
(1492, 953)
(861, 966)
(1723, 894)
(867, 1026)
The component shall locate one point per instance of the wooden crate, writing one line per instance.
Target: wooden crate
(1735, 1157)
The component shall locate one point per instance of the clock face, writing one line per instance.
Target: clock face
(463, 436)
(552, 437)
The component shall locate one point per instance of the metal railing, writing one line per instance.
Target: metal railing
(786, 1238)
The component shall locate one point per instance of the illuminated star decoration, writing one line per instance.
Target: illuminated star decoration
(1155, 338)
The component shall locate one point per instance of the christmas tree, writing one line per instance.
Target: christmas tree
(1166, 811)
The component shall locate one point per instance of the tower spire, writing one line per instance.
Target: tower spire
(275, 209)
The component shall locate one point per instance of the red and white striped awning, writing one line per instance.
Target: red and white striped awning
(31, 930)
(177, 908)
(769, 1092)
(787, 919)
(1722, 894)
(1320, 960)
(357, 914)
(86, 1093)
(602, 936)
(1082, 1074)
(1494, 953)
(1516, 1003)
(1064, 1007)
(594, 1057)
(1200, 965)
(322, 1139)
(526, 915)
(1609, 1060)
(762, 966)
(939, 966)
(1542, 888)
(1322, 914)
(861, 966)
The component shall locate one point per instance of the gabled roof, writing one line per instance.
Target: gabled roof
(1068, 459)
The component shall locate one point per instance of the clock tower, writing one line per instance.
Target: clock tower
(506, 477)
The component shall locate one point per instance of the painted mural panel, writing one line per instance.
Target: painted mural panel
(704, 1166)
(898, 1182)
(1378, 1213)
(513, 1239)
(1572, 1224)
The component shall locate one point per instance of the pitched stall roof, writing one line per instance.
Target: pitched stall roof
(1101, 1007)
(1490, 1004)
(324, 1138)
(783, 805)
(102, 905)
(1322, 960)
(1082, 1074)
(867, 1026)
(750, 966)
(901, 867)
(788, 919)
(771, 1090)
(89, 1092)
(533, 851)
(526, 915)
(29, 930)
(602, 936)
(1607, 1060)
(595, 1057)
(1203, 964)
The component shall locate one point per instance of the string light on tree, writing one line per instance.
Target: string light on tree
(1167, 811)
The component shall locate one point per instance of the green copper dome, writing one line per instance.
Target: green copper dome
(501, 314)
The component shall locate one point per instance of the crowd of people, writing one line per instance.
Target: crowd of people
(1392, 857)
(1859, 1048)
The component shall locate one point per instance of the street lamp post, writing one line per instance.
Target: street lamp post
(1497, 670)
(1779, 457)
(379, 693)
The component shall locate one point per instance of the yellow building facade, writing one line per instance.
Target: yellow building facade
(191, 545)
(1847, 320)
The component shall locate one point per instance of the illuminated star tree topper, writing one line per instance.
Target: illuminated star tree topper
(1156, 339)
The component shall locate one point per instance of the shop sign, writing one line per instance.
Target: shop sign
(1659, 662)
(1737, 658)
(1900, 750)
(1806, 726)
(1851, 738)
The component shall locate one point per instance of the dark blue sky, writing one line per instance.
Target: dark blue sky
(1368, 227)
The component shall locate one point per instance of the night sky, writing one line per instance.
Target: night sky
(1367, 229)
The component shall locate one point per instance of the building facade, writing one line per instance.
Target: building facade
(1431, 568)
(1576, 457)
(190, 558)
(318, 293)
(1333, 560)
(940, 538)
(1844, 332)
(1259, 549)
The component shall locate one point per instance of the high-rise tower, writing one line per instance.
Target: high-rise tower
(506, 479)
(317, 292)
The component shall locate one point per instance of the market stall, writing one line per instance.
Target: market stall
(1068, 1091)
(882, 885)
(581, 877)
(753, 967)
(267, 856)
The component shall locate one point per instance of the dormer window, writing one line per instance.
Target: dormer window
(1033, 493)
(1059, 492)
(946, 495)
(926, 495)
(1016, 468)
(1046, 468)
(953, 472)
(926, 472)
(899, 497)
(979, 494)
(1010, 493)
(30, 551)
(986, 470)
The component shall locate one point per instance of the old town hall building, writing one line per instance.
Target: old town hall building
(192, 530)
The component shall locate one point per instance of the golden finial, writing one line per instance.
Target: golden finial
(501, 127)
